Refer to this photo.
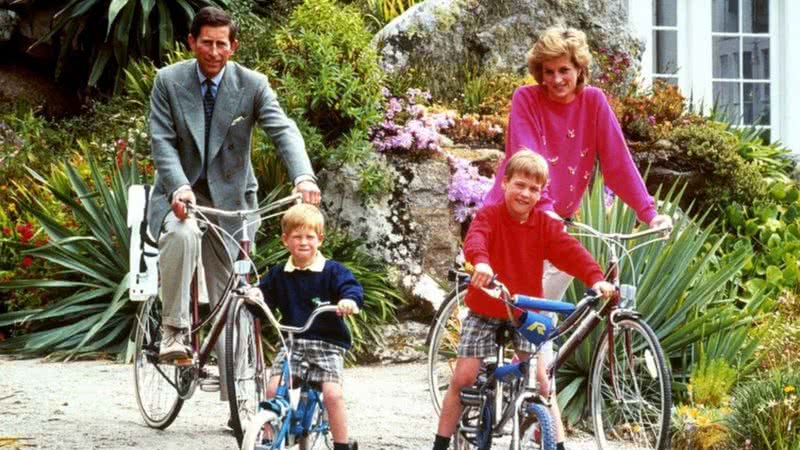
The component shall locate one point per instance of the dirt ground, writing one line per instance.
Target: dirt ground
(91, 405)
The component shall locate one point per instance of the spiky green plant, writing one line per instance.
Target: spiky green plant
(681, 292)
(95, 314)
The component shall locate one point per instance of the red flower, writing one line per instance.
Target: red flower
(26, 261)
(25, 232)
(122, 144)
(6, 231)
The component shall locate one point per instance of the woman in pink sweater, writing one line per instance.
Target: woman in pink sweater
(572, 126)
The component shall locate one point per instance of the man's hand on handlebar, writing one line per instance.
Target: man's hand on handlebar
(345, 307)
(179, 201)
(604, 288)
(309, 190)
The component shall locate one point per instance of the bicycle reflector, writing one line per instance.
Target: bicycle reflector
(535, 327)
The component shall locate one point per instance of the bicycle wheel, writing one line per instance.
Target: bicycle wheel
(155, 383)
(260, 431)
(539, 433)
(244, 365)
(319, 437)
(442, 341)
(631, 395)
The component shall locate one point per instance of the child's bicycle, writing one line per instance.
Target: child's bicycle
(161, 388)
(630, 393)
(279, 424)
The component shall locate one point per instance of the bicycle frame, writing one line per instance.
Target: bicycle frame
(281, 403)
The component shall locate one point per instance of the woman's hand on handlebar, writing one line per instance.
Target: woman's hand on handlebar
(661, 221)
(179, 201)
(345, 307)
(604, 288)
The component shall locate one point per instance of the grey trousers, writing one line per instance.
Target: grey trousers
(179, 244)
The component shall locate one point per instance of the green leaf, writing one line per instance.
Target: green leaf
(113, 10)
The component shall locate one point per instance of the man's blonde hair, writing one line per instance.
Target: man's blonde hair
(528, 163)
(303, 215)
(556, 42)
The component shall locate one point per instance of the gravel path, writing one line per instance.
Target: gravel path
(91, 405)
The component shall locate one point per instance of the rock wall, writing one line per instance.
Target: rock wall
(412, 229)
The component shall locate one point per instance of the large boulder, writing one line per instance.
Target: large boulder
(442, 36)
(412, 229)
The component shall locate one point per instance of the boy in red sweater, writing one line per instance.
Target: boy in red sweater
(511, 240)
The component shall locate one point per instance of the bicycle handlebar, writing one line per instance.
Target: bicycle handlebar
(617, 236)
(310, 321)
(244, 212)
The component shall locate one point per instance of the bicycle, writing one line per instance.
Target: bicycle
(630, 392)
(278, 424)
(161, 388)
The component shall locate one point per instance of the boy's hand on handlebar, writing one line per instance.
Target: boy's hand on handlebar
(179, 201)
(345, 307)
(661, 221)
(604, 288)
(253, 293)
(481, 275)
(309, 190)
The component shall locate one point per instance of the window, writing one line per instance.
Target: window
(665, 40)
(740, 42)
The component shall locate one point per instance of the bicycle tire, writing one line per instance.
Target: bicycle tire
(245, 374)
(442, 339)
(642, 415)
(253, 438)
(154, 383)
(319, 437)
(540, 433)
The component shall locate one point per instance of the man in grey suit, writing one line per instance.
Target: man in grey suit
(202, 116)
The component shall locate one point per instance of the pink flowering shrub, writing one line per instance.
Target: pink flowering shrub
(406, 127)
(467, 189)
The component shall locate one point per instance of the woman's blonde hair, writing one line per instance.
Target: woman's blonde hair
(528, 163)
(303, 216)
(556, 42)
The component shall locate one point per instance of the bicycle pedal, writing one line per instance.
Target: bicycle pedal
(183, 362)
(209, 385)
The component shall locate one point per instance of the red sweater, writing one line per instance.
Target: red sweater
(516, 253)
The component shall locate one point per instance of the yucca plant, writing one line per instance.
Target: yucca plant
(95, 314)
(115, 31)
(681, 289)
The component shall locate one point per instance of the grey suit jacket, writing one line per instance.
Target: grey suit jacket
(177, 129)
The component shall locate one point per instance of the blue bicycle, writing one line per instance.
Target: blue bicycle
(278, 424)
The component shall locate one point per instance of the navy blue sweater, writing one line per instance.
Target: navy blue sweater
(295, 293)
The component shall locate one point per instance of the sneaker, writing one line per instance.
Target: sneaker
(173, 344)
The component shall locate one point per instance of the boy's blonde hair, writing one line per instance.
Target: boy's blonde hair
(303, 215)
(528, 163)
(556, 42)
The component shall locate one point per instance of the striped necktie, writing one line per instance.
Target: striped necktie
(208, 109)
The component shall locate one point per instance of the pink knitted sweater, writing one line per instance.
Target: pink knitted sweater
(571, 137)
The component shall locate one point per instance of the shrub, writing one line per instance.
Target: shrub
(766, 412)
(407, 128)
(325, 70)
(466, 189)
(711, 381)
(614, 72)
(711, 152)
(779, 334)
(649, 116)
(478, 131)
(699, 428)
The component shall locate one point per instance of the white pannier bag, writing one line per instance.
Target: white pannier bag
(143, 262)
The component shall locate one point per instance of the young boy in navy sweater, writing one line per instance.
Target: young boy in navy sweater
(296, 288)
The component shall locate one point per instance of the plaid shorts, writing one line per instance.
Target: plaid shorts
(478, 337)
(325, 361)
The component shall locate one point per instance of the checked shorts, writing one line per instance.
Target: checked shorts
(478, 337)
(325, 361)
